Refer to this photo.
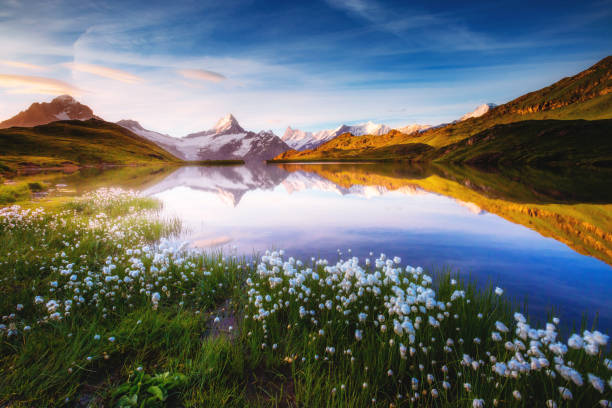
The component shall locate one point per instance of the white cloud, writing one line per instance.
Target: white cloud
(105, 72)
(36, 85)
(23, 65)
(202, 75)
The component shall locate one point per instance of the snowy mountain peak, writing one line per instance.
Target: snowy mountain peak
(413, 128)
(226, 141)
(64, 99)
(227, 125)
(301, 140)
(478, 112)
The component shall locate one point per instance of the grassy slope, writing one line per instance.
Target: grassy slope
(536, 142)
(586, 95)
(91, 142)
(585, 227)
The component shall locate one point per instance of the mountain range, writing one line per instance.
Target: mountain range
(302, 140)
(577, 111)
(567, 122)
(227, 140)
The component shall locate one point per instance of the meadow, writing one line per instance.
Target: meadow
(102, 305)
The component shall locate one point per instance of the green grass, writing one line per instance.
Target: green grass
(114, 346)
(76, 143)
(560, 143)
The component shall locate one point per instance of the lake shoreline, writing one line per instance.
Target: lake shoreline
(201, 326)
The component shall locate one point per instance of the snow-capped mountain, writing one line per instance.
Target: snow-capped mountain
(413, 128)
(227, 125)
(301, 140)
(64, 107)
(226, 141)
(479, 111)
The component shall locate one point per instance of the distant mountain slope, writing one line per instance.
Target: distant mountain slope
(583, 96)
(164, 141)
(90, 142)
(63, 107)
(226, 141)
(534, 142)
(301, 140)
(587, 95)
(413, 128)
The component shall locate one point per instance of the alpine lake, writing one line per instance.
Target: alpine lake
(543, 235)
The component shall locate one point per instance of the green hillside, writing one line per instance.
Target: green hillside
(587, 95)
(536, 142)
(76, 143)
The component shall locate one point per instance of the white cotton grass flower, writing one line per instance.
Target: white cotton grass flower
(358, 335)
(596, 382)
(501, 327)
(565, 393)
(499, 291)
(517, 395)
(551, 404)
(478, 403)
(575, 341)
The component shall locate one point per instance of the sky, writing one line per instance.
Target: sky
(177, 67)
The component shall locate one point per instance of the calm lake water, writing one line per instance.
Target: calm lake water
(543, 237)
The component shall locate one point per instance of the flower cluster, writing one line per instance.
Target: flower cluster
(66, 250)
(385, 325)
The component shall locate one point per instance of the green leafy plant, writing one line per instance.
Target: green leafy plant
(143, 390)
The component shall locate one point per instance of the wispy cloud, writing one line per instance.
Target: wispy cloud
(36, 85)
(202, 75)
(421, 29)
(105, 72)
(24, 65)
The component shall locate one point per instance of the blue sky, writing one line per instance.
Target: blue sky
(178, 66)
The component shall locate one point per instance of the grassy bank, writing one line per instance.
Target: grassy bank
(99, 309)
(73, 144)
